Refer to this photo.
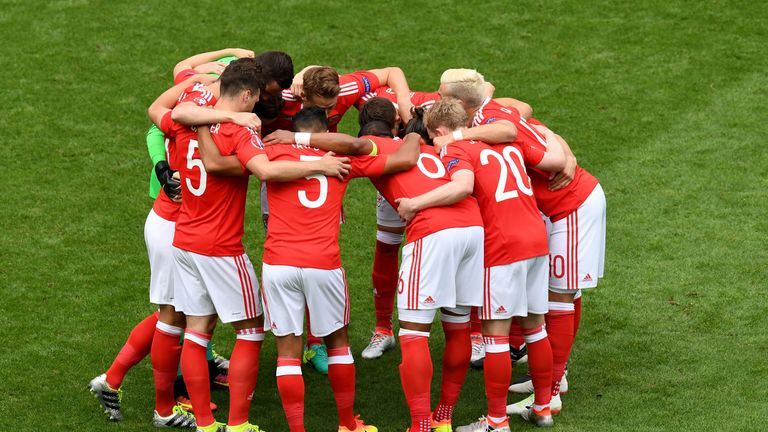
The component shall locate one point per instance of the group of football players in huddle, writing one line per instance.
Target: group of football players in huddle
(502, 230)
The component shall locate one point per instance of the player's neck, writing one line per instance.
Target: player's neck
(229, 104)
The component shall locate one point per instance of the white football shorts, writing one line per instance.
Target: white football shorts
(577, 246)
(386, 215)
(515, 289)
(158, 235)
(289, 290)
(444, 269)
(225, 286)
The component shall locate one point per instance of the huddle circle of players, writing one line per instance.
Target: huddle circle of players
(502, 230)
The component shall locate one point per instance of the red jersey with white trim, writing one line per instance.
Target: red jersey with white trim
(514, 230)
(197, 93)
(428, 174)
(304, 213)
(560, 203)
(353, 87)
(213, 208)
(422, 99)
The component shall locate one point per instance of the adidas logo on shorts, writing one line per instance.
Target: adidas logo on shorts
(587, 278)
(501, 310)
(428, 300)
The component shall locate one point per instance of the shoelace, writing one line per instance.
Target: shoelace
(377, 339)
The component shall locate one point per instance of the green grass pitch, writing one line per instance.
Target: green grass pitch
(664, 101)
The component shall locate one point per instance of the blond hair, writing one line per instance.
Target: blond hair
(467, 85)
(446, 112)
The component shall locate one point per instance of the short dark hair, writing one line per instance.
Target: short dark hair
(243, 74)
(416, 125)
(269, 109)
(376, 128)
(378, 109)
(310, 120)
(278, 66)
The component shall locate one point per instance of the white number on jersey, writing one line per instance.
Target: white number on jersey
(533, 132)
(306, 202)
(506, 162)
(196, 163)
(440, 173)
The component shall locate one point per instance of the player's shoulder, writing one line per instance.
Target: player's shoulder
(357, 82)
(198, 94)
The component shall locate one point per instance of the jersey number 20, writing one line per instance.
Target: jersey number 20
(506, 162)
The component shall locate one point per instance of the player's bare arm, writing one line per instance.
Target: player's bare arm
(190, 114)
(525, 110)
(461, 186)
(328, 165)
(406, 156)
(565, 177)
(395, 78)
(502, 131)
(165, 102)
(554, 159)
(213, 161)
(297, 86)
(206, 62)
(335, 142)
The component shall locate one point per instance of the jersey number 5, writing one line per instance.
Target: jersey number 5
(196, 163)
(306, 202)
(506, 162)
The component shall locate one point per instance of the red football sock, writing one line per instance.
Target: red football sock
(290, 384)
(497, 372)
(560, 330)
(384, 281)
(341, 373)
(194, 369)
(311, 339)
(166, 353)
(516, 339)
(243, 370)
(138, 345)
(416, 376)
(576, 316)
(474, 320)
(539, 365)
(456, 355)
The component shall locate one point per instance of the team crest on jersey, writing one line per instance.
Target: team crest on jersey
(366, 85)
(255, 140)
(452, 164)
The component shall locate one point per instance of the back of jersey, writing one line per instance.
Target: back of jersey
(514, 229)
(304, 214)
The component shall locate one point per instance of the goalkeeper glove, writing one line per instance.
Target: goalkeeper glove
(169, 180)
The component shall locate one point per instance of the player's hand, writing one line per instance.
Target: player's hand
(247, 119)
(240, 52)
(332, 166)
(211, 67)
(564, 177)
(169, 180)
(297, 86)
(280, 137)
(441, 141)
(406, 209)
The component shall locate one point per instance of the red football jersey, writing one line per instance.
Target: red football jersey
(428, 174)
(558, 204)
(304, 214)
(514, 230)
(197, 93)
(213, 207)
(353, 87)
(422, 99)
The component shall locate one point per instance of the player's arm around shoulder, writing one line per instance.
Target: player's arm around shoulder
(554, 159)
(328, 165)
(406, 156)
(165, 102)
(328, 141)
(213, 161)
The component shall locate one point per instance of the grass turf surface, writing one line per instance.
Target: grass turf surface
(660, 100)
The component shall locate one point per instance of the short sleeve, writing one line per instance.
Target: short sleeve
(367, 166)
(183, 75)
(354, 86)
(455, 158)
(247, 145)
(531, 155)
